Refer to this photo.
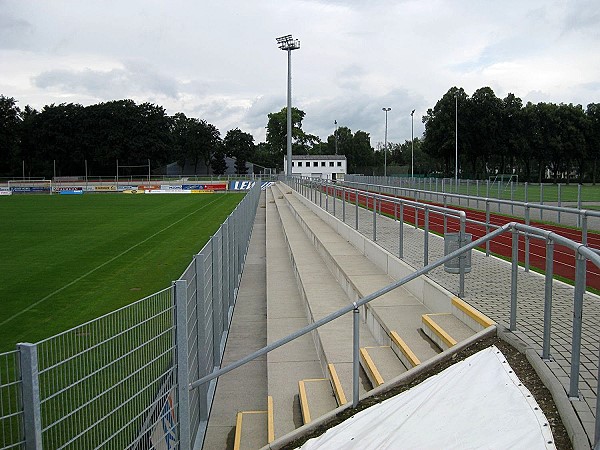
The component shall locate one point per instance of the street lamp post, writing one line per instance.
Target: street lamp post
(336, 137)
(386, 110)
(456, 143)
(287, 43)
(412, 145)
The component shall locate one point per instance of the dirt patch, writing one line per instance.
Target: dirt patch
(518, 362)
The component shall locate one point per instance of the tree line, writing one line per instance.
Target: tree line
(495, 136)
(503, 136)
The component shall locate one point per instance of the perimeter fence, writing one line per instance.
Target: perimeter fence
(122, 380)
(559, 194)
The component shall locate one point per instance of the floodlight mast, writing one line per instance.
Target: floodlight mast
(288, 43)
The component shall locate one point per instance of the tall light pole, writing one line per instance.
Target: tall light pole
(335, 123)
(412, 144)
(386, 110)
(287, 43)
(456, 143)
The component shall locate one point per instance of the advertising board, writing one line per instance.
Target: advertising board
(247, 185)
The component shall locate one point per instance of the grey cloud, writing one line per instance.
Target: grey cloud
(14, 32)
(116, 83)
(583, 16)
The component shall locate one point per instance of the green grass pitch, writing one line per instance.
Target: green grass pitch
(69, 259)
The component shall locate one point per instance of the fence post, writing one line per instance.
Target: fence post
(32, 416)
(333, 198)
(463, 256)
(580, 263)
(541, 201)
(548, 299)
(227, 306)
(559, 201)
(578, 203)
(355, 358)
(201, 336)
(374, 218)
(217, 306)
(526, 186)
(527, 238)
(181, 355)
(401, 232)
(344, 205)
(356, 200)
(487, 226)
(426, 239)
(513, 283)
(445, 216)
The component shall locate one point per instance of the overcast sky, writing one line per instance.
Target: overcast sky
(218, 60)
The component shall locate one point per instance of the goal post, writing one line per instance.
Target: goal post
(30, 186)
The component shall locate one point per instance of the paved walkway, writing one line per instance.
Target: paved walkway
(246, 387)
(487, 287)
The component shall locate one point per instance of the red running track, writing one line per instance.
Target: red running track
(564, 258)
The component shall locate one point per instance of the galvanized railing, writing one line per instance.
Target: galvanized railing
(581, 215)
(121, 380)
(582, 253)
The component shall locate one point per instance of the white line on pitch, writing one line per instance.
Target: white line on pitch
(76, 280)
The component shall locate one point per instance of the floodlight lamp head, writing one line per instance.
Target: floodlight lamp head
(386, 109)
(287, 42)
(413, 111)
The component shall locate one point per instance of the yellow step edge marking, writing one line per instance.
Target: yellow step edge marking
(370, 365)
(405, 349)
(238, 432)
(445, 337)
(270, 421)
(238, 427)
(304, 402)
(337, 386)
(474, 314)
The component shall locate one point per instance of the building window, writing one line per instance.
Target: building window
(299, 163)
(322, 163)
(339, 164)
(330, 163)
(292, 163)
(315, 163)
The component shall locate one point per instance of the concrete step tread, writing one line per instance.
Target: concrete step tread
(316, 398)
(252, 430)
(445, 329)
(380, 364)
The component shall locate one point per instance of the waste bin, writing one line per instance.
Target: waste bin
(451, 243)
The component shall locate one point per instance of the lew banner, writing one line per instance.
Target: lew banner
(247, 185)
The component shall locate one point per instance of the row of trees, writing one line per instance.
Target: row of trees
(73, 135)
(495, 136)
(503, 136)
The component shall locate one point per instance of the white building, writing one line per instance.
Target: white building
(329, 167)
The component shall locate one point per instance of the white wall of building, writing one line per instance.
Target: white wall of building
(319, 166)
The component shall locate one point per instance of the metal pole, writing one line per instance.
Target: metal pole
(356, 207)
(548, 299)
(289, 114)
(527, 239)
(456, 142)
(401, 233)
(355, 357)
(559, 202)
(487, 226)
(181, 355)
(578, 202)
(412, 144)
(32, 416)
(580, 263)
(344, 205)
(426, 239)
(463, 256)
(374, 219)
(385, 144)
(513, 284)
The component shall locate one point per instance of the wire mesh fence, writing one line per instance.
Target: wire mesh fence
(11, 404)
(122, 380)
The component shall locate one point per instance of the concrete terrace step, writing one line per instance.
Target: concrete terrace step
(398, 310)
(322, 295)
(286, 313)
(381, 364)
(254, 429)
(445, 329)
(316, 398)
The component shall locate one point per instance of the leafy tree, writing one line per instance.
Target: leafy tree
(10, 124)
(218, 163)
(241, 146)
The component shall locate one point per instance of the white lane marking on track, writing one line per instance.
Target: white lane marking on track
(76, 280)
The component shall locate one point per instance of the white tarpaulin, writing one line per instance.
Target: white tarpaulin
(478, 403)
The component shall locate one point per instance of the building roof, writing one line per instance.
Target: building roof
(319, 157)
